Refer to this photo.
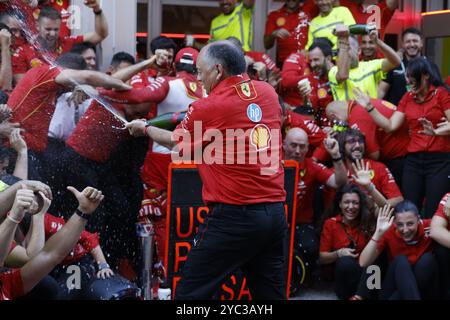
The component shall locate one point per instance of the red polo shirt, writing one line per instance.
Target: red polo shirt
(87, 242)
(241, 104)
(390, 145)
(295, 68)
(334, 236)
(363, 16)
(11, 285)
(296, 23)
(311, 176)
(29, 57)
(33, 103)
(440, 210)
(104, 126)
(396, 246)
(433, 108)
(143, 79)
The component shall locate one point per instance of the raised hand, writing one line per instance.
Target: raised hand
(88, 200)
(17, 142)
(37, 186)
(362, 98)
(93, 4)
(362, 172)
(385, 219)
(42, 204)
(22, 203)
(332, 147)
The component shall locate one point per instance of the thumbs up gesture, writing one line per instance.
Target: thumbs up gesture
(88, 199)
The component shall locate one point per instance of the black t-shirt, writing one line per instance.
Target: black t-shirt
(396, 78)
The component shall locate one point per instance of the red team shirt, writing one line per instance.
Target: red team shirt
(104, 126)
(87, 242)
(290, 21)
(395, 245)
(334, 236)
(11, 285)
(433, 108)
(440, 210)
(27, 56)
(311, 176)
(229, 106)
(390, 145)
(33, 103)
(363, 16)
(295, 68)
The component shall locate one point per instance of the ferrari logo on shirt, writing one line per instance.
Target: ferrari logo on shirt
(302, 173)
(35, 63)
(193, 86)
(245, 88)
(322, 93)
(281, 22)
(372, 174)
(260, 137)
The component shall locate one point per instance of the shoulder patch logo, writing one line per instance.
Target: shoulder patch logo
(254, 112)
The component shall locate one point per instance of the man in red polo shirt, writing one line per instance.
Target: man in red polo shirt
(365, 11)
(440, 232)
(246, 227)
(287, 26)
(49, 44)
(378, 181)
(380, 145)
(312, 175)
(33, 101)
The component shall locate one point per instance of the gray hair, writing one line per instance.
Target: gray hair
(226, 54)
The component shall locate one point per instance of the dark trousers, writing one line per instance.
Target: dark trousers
(426, 177)
(442, 255)
(350, 279)
(406, 282)
(396, 167)
(252, 238)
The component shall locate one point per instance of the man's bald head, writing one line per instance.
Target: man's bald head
(337, 110)
(295, 145)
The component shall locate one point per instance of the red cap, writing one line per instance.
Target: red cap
(187, 55)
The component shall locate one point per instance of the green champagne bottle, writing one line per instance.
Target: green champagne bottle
(361, 29)
(167, 121)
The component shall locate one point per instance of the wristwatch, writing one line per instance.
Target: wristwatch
(85, 216)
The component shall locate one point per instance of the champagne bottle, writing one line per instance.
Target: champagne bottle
(361, 29)
(167, 121)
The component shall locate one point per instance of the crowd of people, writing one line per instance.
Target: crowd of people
(369, 127)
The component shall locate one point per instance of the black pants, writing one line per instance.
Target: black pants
(350, 279)
(406, 282)
(426, 177)
(396, 167)
(253, 238)
(442, 255)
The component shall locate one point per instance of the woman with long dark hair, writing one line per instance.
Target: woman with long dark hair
(343, 237)
(424, 107)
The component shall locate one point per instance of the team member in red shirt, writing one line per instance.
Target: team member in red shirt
(428, 161)
(50, 44)
(440, 232)
(312, 175)
(386, 147)
(246, 199)
(343, 238)
(33, 101)
(18, 282)
(287, 26)
(318, 92)
(413, 270)
(373, 176)
(365, 11)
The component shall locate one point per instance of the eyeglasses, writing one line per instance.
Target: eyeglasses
(353, 141)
